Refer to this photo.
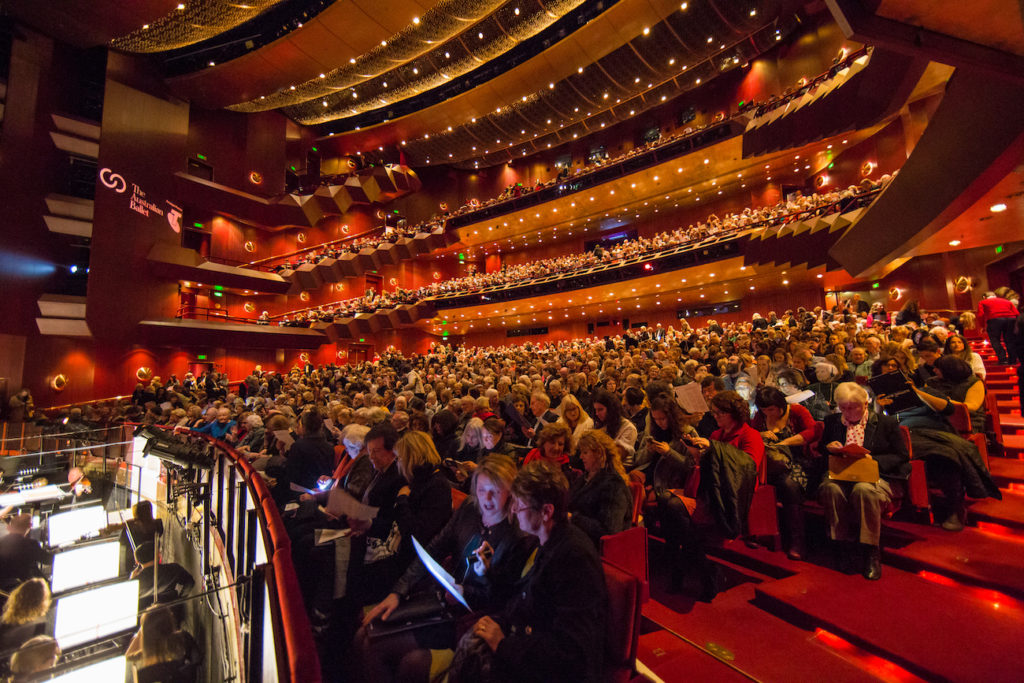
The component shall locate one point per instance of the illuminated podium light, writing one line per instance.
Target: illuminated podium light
(85, 565)
(68, 527)
(112, 669)
(88, 616)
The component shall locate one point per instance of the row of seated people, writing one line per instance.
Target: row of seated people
(517, 190)
(389, 235)
(399, 390)
(798, 205)
(842, 60)
(594, 163)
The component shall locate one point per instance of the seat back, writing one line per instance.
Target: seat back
(763, 517)
(637, 492)
(992, 414)
(622, 629)
(961, 420)
(627, 550)
(917, 485)
(458, 497)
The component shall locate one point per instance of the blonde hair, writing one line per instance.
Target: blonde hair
(570, 400)
(474, 431)
(598, 441)
(28, 602)
(416, 452)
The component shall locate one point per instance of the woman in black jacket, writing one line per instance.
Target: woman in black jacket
(488, 552)
(599, 501)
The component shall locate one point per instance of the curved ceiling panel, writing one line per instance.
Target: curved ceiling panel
(510, 117)
(88, 24)
(337, 35)
(190, 22)
(392, 73)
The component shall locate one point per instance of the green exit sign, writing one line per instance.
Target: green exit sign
(201, 356)
(875, 285)
(999, 249)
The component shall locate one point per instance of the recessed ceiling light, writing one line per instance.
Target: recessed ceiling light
(952, 243)
(997, 208)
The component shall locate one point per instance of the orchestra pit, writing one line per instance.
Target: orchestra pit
(495, 340)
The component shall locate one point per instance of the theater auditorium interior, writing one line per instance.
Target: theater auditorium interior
(535, 340)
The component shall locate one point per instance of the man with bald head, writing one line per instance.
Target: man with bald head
(20, 556)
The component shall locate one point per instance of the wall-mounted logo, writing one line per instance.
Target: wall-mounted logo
(140, 202)
(174, 217)
(115, 181)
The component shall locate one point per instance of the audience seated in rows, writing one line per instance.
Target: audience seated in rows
(700, 470)
(796, 206)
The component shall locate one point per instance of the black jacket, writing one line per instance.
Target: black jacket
(555, 624)
(308, 459)
(881, 437)
(424, 512)
(20, 558)
(601, 505)
(463, 534)
(727, 480)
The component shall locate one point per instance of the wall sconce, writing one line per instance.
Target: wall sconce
(59, 382)
(304, 296)
(393, 282)
(249, 307)
(437, 275)
(963, 284)
(342, 353)
(895, 293)
(304, 357)
(821, 181)
(301, 237)
(344, 228)
(250, 246)
(144, 374)
(866, 168)
(255, 177)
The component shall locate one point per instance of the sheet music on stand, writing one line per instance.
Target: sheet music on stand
(94, 614)
(113, 669)
(90, 563)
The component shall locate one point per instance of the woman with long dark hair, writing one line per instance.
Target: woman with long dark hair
(608, 418)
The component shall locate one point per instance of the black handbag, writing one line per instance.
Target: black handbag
(420, 610)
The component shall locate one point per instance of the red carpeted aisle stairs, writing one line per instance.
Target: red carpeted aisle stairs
(949, 606)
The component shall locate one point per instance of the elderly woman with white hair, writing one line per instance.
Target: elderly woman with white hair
(853, 509)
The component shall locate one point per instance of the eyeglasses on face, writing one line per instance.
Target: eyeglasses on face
(518, 507)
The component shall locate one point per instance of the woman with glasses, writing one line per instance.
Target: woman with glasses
(576, 419)
(853, 510)
(490, 554)
(553, 628)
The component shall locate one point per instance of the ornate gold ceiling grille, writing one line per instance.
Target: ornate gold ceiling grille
(196, 21)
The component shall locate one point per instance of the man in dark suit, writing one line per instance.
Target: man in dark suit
(20, 556)
(381, 493)
(853, 510)
(540, 403)
(173, 580)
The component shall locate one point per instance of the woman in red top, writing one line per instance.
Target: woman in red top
(552, 443)
(732, 413)
(791, 427)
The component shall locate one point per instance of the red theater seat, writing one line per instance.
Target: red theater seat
(627, 550)
(623, 627)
